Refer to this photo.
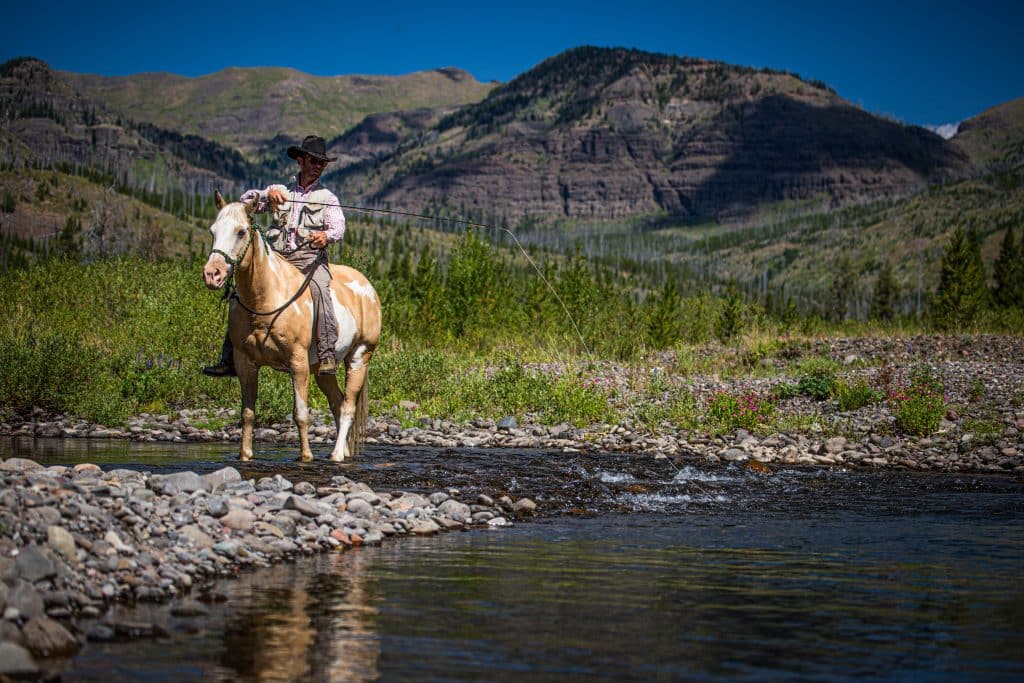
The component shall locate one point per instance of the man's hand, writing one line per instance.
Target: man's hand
(276, 196)
(318, 239)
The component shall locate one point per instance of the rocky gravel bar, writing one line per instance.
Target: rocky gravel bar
(74, 540)
(983, 429)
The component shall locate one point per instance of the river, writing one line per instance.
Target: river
(641, 570)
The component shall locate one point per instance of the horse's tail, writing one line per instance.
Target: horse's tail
(357, 432)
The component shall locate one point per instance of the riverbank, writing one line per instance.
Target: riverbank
(74, 540)
(981, 427)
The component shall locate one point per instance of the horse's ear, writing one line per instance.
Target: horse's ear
(219, 200)
(250, 206)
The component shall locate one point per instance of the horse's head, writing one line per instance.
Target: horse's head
(231, 236)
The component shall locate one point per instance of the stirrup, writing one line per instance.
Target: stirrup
(328, 366)
(221, 369)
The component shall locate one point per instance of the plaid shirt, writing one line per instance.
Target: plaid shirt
(334, 219)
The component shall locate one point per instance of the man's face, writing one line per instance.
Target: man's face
(310, 168)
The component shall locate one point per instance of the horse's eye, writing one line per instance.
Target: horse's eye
(241, 232)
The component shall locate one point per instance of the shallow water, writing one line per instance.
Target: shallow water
(647, 572)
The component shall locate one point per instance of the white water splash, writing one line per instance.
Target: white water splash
(688, 473)
(659, 502)
(615, 477)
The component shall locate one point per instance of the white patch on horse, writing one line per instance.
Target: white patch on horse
(301, 409)
(362, 289)
(357, 357)
(341, 445)
(346, 327)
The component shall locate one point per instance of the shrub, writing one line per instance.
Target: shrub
(855, 394)
(919, 407)
(818, 377)
(784, 390)
(745, 411)
(920, 414)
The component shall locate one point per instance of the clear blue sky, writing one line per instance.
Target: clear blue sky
(920, 62)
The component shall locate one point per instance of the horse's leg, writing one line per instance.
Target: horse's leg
(300, 387)
(248, 376)
(355, 377)
(329, 385)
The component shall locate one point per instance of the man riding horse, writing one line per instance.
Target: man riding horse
(306, 218)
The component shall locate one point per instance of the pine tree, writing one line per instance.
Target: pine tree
(962, 293)
(841, 290)
(664, 322)
(885, 296)
(730, 319)
(1008, 271)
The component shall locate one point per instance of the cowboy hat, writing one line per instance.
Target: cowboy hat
(313, 146)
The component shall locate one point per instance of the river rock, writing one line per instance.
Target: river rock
(16, 661)
(61, 540)
(19, 465)
(238, 519)
(307, 507)
(221, 478)
(359, 507)
(169, 484)
(836, 444)
(45, 637)
(34, 565)
(24, 598)
(524, 506)
(199, 537)
(454, 509)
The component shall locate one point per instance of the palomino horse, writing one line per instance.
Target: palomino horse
(271, 323)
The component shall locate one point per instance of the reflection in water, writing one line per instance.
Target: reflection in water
(301, 625)
(719, 574)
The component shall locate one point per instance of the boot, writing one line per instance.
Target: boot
(328, 366)
(225, 367)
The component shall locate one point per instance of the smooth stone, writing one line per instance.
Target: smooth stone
(239, 519)
(16, 661)
(19, 465)
(24, 598)
(309, 508)
(169, 484)
(45, 637)
(61, 540)
(424, 527)
(836, 444)
(735, 455)
(221, 478)
(304, 488)
(34, 565)
(199, 537)
(359, 507)
(524, 506)
(408, 501)
(454, 509)
(217, 506)
(507, 423)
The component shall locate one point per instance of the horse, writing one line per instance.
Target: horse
(270, 323)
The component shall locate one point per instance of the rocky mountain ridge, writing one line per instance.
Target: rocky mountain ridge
(257, 110)
(598, 133)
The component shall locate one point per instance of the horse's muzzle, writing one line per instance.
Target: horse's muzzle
(216, 271)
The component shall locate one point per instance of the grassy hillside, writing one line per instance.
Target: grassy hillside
(995, 137)
(248, 108)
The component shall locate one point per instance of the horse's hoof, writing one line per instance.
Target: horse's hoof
(305, 458)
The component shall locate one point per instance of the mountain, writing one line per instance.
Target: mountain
(994, 139)
(48, 123)
(257, 110)
(613, 133)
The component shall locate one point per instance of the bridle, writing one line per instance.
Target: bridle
(231, 292)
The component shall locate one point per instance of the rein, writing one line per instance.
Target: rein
(231, 292)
